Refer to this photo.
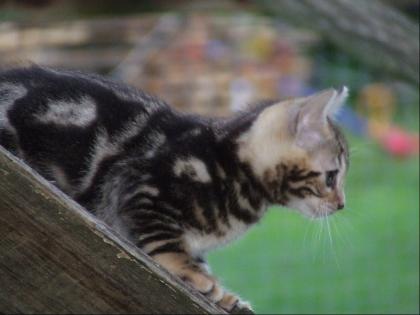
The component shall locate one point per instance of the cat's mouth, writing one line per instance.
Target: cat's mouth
(313, 209)
(324, 211)
(320, 215)
(320, 212)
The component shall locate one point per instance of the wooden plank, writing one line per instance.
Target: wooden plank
(57, 258)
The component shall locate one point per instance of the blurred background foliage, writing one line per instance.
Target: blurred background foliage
(215, 57)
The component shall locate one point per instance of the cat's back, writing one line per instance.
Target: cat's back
(35, 94)
(63, 123)
(35, 100)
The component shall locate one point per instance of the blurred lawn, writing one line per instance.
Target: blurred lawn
(287, 264)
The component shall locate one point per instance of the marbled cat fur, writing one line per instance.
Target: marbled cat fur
(177, 185)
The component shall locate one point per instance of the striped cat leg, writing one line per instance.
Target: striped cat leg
(228, 300)
(194, 272)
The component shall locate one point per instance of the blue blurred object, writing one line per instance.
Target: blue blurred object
(290, 86)
(350, 120)
(216, 49)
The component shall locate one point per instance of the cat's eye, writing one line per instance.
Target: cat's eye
(331, 177)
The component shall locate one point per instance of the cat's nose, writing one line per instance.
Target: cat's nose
(340, 206)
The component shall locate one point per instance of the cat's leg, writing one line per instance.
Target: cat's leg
(229, 300)
(158, 234)
(195, 272)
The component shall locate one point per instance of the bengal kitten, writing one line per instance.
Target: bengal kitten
(175, 184)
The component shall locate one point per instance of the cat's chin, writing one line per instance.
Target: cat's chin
(310, 212)
(318, 215)
(314, 215)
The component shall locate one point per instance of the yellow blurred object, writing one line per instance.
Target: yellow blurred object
(377, 103)
(261, 44)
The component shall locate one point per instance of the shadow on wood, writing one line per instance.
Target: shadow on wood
(57, 258)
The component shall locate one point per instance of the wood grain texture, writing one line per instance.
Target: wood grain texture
(57, 258)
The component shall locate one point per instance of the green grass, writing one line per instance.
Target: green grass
(287, 263)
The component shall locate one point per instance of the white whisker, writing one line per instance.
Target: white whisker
(332, 244)
(329, 229)
(306, 232)
(327, 236)
(317, 237)
(340, 235)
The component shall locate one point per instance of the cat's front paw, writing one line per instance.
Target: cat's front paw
(234, 305)
(210, 287)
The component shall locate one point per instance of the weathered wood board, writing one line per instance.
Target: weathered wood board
(57, 258)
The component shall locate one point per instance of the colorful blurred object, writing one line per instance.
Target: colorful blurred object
(217, 64)
(352, 121)
(399, 142)
(377, 103)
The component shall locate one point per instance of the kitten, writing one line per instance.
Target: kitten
(177, 185)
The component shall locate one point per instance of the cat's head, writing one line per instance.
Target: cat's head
(299, 154)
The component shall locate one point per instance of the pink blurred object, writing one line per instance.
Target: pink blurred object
(400, 143)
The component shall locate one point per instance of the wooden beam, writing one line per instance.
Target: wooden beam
(57, 258)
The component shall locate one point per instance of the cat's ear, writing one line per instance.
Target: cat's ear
(311, 117)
